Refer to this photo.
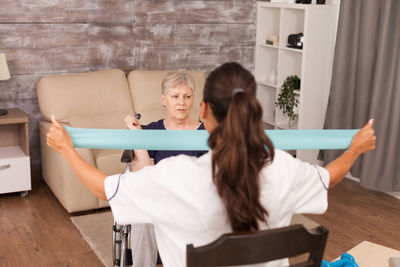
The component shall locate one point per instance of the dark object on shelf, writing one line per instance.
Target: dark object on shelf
(3, 112)
(303, 1)
(295, 40)
(320, 2)
(272, 40)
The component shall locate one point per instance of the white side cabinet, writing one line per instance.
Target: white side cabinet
(15, 174)
(312, 64)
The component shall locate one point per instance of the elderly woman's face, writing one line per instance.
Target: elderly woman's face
(178, 101)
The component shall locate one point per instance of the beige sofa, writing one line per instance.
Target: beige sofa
(97, 100)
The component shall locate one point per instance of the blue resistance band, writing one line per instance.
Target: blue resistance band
(197, 139)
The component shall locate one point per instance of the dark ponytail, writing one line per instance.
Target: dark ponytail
(239, 145)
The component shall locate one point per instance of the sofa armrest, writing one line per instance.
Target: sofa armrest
(62, 180)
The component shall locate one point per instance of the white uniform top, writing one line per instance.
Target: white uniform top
(179, 197)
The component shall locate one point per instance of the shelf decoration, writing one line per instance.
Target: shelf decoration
(272, 77)
(287, 100)
(272, 40)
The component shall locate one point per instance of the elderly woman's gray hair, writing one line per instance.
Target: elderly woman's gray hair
(176, 79)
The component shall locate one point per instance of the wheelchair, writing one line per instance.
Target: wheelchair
(122, 251)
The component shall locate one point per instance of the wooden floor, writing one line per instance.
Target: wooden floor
(356, 214)
(37, 231)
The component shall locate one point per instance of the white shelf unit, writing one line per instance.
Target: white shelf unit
(312, 64)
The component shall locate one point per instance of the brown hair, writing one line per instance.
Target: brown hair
(240, 148)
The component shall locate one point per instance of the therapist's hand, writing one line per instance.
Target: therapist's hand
(58, 138)
(132, 122)
(364, 140)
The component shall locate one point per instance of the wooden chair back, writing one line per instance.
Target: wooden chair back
(261, 246)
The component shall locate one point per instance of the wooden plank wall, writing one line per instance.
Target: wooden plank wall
(45, 37)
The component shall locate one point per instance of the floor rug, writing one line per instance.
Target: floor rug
(96, 229)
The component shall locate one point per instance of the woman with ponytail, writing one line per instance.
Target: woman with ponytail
(240, 147)
(243, 184)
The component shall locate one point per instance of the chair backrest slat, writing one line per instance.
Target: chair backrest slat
(261, 246)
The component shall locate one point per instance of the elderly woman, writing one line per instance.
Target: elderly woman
(177, 95)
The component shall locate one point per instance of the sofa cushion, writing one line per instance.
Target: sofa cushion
(98, 99)
(145, 86)
(114, 120)
(109, 161)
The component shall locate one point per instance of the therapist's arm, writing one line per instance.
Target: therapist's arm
(363, 141)
(92, 178)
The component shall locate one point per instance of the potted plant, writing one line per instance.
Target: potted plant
(287, 100)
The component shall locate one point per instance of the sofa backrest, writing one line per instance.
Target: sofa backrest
(98, 99)
(145, 86)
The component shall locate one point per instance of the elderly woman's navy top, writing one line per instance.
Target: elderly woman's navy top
(158, 155)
